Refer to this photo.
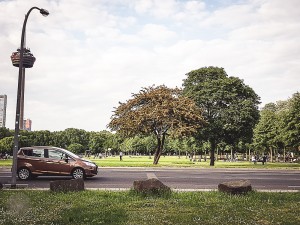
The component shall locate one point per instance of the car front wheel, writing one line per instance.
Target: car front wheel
(24, 174)
(78, 173)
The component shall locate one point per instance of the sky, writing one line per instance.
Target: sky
(93, 54)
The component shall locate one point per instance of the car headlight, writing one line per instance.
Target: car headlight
(89, 164)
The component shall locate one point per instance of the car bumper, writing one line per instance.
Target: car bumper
(93, 171)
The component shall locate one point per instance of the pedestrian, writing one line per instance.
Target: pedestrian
(253, 159)
(121, 155)
(264, 159)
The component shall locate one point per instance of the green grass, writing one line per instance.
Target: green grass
(100, 207)
(7, 162)
(174, 161)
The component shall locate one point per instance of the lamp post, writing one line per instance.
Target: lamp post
(20, 92)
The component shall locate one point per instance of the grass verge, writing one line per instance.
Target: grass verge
(100, 207)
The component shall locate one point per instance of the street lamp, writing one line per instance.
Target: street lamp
(20, 91)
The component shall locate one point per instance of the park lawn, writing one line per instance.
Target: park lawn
(6, 162)
(124, 208)
(175, 161)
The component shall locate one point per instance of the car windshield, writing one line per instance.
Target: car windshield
(71, 154)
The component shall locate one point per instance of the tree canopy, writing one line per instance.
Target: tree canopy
(229, 106)
(159, 111)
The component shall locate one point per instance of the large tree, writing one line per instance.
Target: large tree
(160, 111)
(291, 120)
(230, 107)
(267, 132)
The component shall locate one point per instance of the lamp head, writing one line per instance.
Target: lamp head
(44, 12)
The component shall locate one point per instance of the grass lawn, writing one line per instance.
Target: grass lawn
(174, 161)
(100, 207)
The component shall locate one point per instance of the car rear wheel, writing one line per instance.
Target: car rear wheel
(78, 173)
(24, 174)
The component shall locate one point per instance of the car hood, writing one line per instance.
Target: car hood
(85, 160)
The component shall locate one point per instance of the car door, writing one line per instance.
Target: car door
(56, 162)
(35, 158)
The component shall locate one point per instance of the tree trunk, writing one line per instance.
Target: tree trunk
(160, 145)
(271, 154)
(212, 153)
(157, 156)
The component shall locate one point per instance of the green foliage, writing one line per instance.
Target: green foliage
(5, 132)
(6, 145)
(73, 135)
(266, 130)
(229, 106)
(37, 138)
(76, 148)
(113, 141)
(97, 141)
(279, 126)
(292, 123)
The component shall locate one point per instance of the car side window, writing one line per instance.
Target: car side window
(38, 153)
(27, 152)
(55, 154)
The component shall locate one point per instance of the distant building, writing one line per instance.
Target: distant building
(27, 124)
(3, 103)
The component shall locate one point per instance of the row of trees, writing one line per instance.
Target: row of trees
(212, 112)
(278, 129)
(76, 140)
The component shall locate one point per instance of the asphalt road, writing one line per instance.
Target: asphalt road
(177, 178)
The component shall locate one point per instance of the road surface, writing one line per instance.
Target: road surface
(176, 178)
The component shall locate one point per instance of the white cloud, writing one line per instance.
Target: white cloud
(154, 32)
(157, 8)
(93, 54)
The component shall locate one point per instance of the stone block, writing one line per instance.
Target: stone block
(152, 185)
(235, 187)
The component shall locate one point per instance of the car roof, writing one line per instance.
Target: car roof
(41, 147)
(36, 147)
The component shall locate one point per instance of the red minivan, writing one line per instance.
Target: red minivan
(47, 160)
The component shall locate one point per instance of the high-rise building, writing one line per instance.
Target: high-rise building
(3, 102)
(27, 124)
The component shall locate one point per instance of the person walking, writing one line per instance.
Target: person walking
(264, 159)
(121, 155)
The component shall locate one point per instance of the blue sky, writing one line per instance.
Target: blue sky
(91, 54)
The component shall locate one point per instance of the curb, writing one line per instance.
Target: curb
(6, 188)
